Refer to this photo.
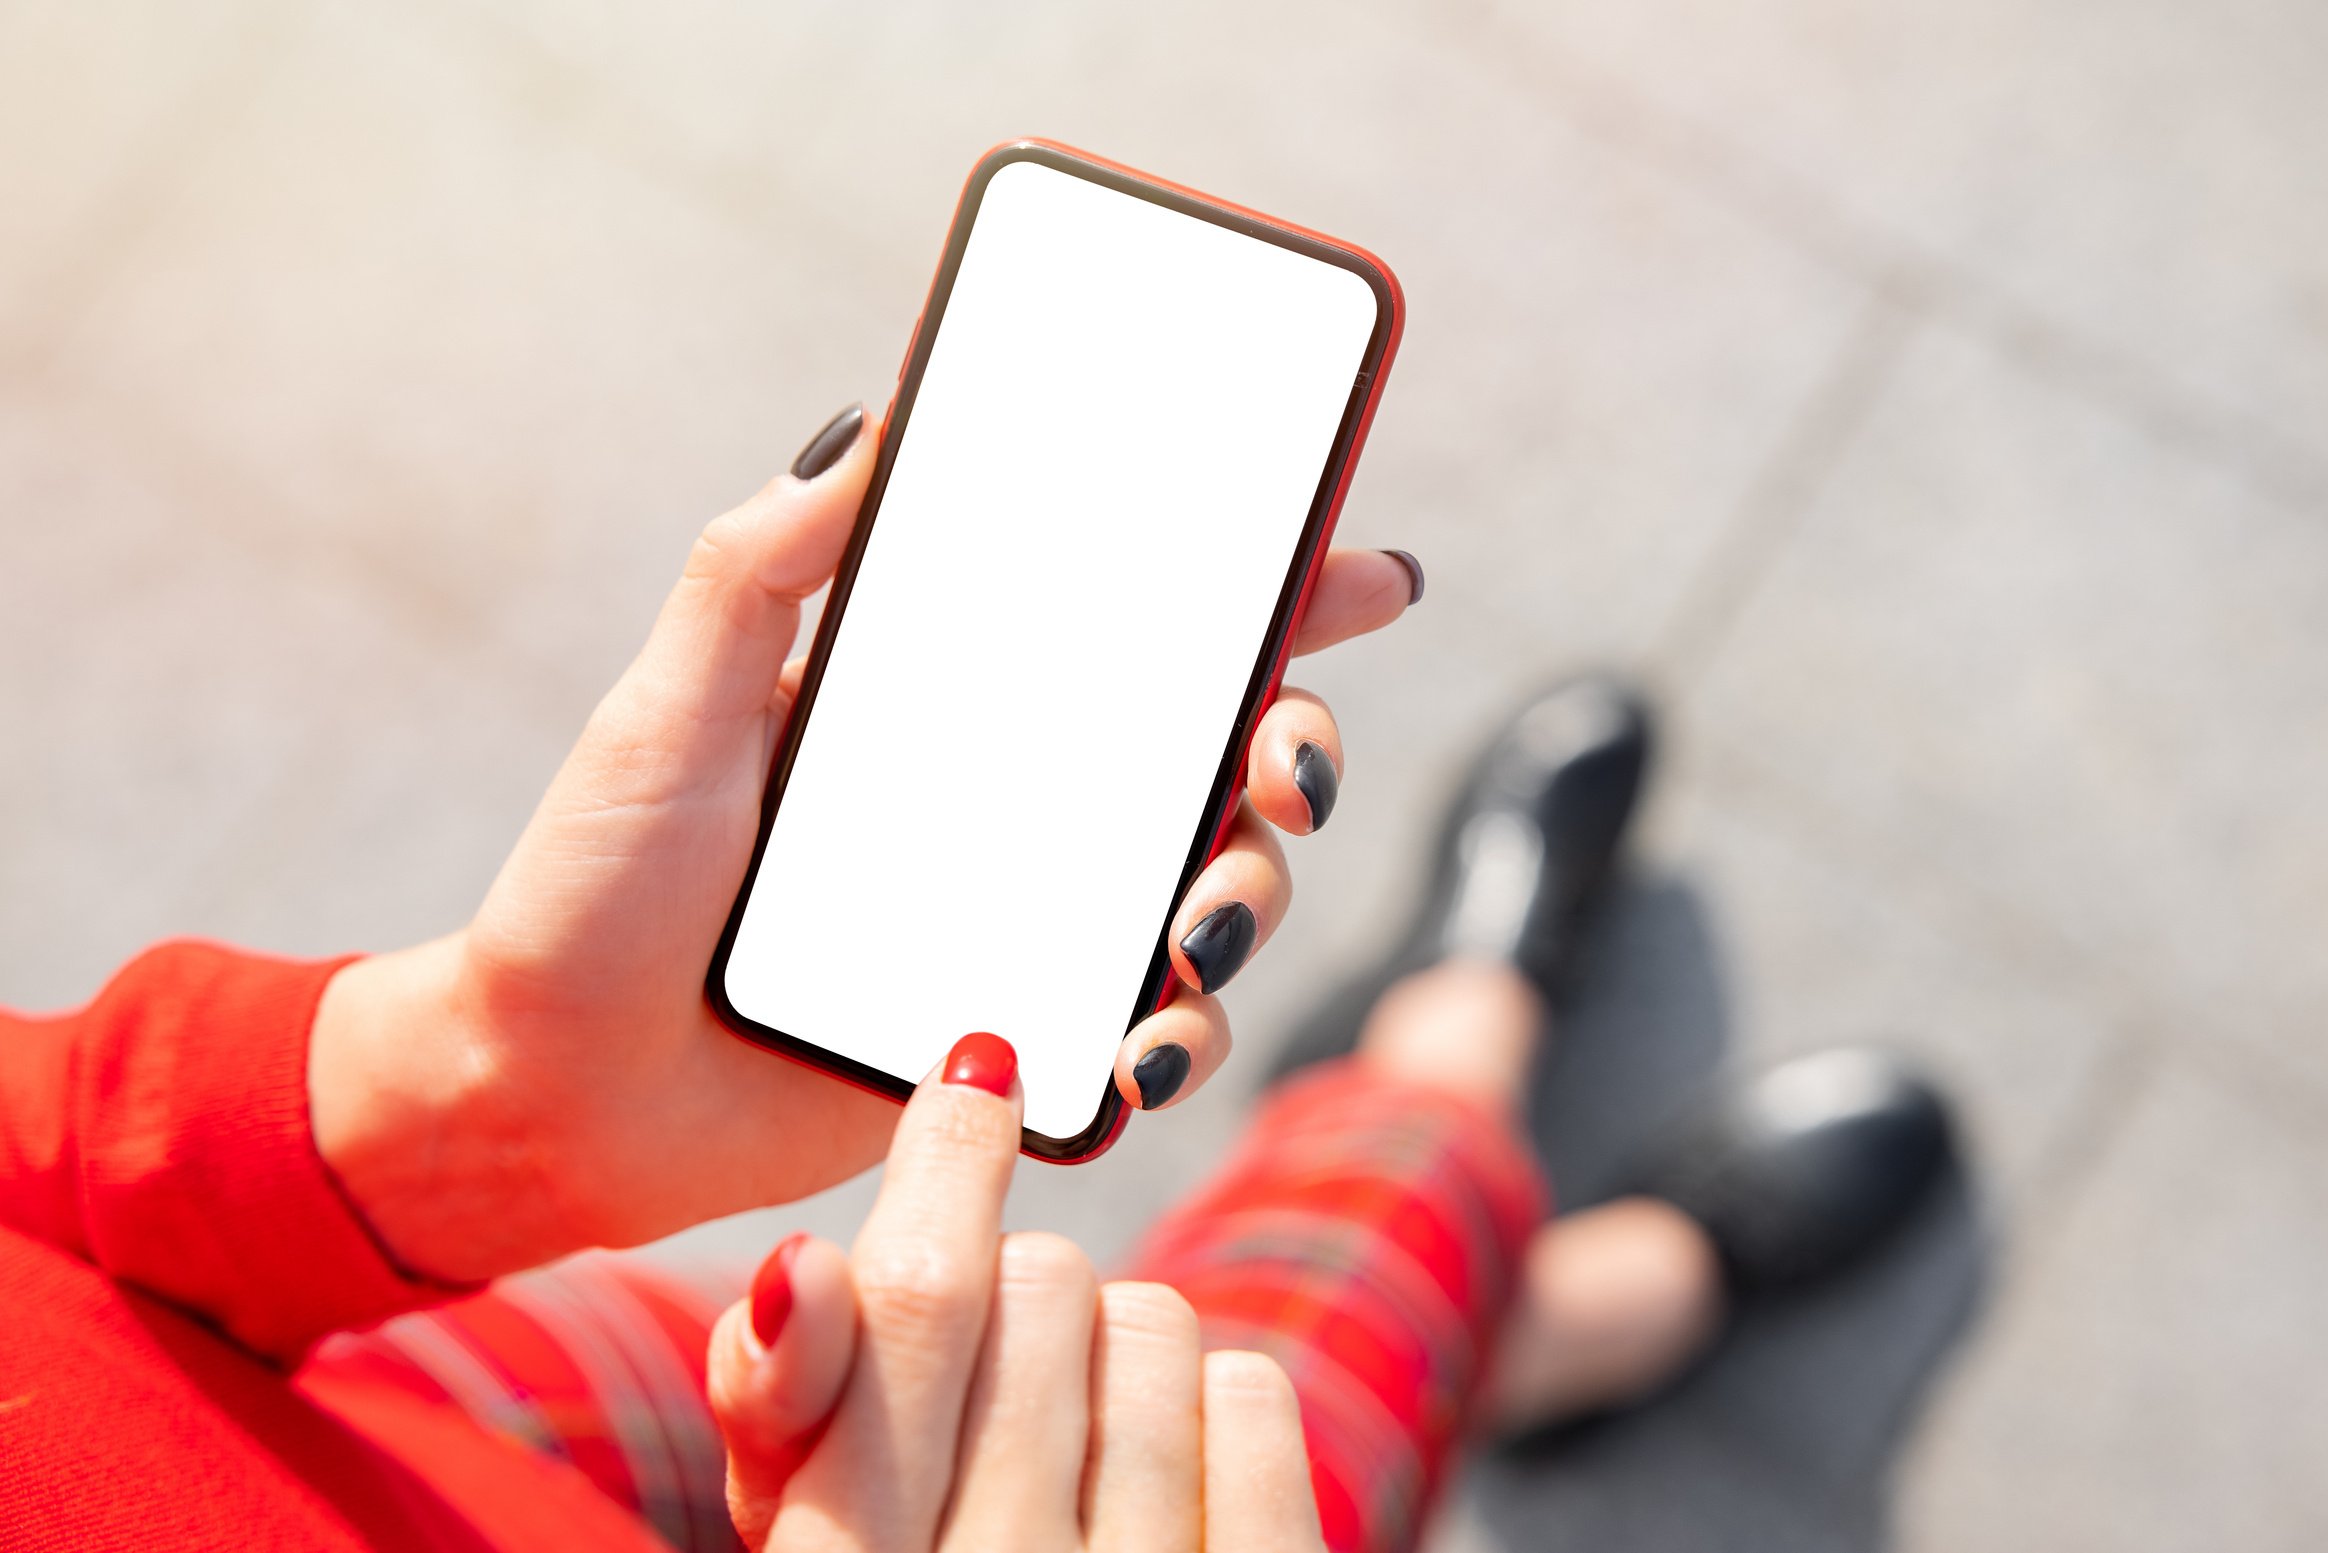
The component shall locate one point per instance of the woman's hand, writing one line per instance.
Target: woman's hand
(944, 1386)
(551, 1077)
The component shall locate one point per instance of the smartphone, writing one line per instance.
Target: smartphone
(1116, 451)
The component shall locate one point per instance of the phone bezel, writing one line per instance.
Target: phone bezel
(1269, 665)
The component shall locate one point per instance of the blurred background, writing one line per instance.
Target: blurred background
(1930, 401)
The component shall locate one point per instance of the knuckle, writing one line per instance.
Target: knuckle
(908, 1289)
(1149, 1312)
(958, 1123)
(1037, 1261)
(1240, 1374)
(719, 549)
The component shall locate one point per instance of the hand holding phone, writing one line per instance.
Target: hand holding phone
(551, 1077)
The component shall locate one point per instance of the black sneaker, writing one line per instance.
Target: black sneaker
(1522, 856)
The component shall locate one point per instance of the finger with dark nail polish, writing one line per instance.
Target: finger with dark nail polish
(1320, 783)
(1218, 947)
(1160, 1072)
(1414, 571)
(825, 448)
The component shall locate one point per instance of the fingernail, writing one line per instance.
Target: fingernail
(772, 1290)
(840, 433)
(1414, 571)
(1160, 1072)
(982, 1061)
(1319, 782)
(1218, 947)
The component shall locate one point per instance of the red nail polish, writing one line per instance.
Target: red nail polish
(982, 1061)
(772, 1289)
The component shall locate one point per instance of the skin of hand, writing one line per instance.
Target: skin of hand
(551, 1077)
(943, 1386)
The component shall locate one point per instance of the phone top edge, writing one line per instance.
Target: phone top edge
(1390, 296)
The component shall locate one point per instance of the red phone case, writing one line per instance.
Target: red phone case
(1366, 392)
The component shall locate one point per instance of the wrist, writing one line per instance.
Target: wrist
(418, 1118)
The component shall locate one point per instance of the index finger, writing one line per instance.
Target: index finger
(924, 1270)
(949, 1163)
(1358, 591)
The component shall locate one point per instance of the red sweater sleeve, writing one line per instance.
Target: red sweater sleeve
(161, 1133)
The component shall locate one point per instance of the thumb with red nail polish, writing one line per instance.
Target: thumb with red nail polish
(771, 1296)
(779, 1359)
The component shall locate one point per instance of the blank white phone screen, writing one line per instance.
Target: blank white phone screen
(1098, 498)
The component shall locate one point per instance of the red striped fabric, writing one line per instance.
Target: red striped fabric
(1366, 1234)
(597, 1362)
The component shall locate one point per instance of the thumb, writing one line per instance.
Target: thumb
(719, 643)
(778, 1361)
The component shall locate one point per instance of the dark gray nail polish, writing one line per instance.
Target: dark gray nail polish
(1160, 1072)
(1319, 782)
(1414, 571)
(825, 448)
(1218, 947)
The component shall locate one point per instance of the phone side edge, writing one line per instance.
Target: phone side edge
(1381, 350)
